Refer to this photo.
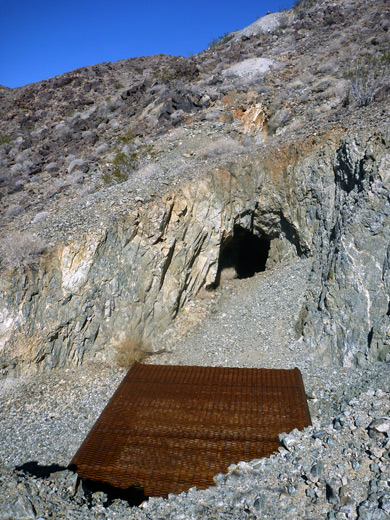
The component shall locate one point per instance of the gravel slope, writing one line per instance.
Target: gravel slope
(252, 323)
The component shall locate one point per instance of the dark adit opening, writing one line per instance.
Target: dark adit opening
(246, 253)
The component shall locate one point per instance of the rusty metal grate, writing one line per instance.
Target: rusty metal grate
(168, 428)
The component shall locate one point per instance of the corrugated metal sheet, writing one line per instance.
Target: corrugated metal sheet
(168, 428)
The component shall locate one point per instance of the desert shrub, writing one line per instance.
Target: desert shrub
(176, 134)
(224, 38)
(14, 210)
(108, 106)
(147, 150)
(127, 159)
(165, 75)
(127, 138)
(40, 216)
(52, 168)
(21, 249)
(330, 20)
(148, 170)
(121, 165)
(21, 168)
(250, 80)
(366, 76)
(76, 177)
(221, 146)
(262, 89)
(278, 120)
(303, 5)
(102, 149)
(301, 8)
(75, 164)
(283, 23)
(5, 139)
(112, 106)
(132, 350)
(330, 67)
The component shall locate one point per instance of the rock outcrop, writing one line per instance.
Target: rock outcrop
(349, 320)
(133, 276)
(117, 213)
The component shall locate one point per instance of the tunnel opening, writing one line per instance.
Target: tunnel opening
(244, 252)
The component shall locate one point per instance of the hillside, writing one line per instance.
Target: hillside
(230, 208)
(261, 131)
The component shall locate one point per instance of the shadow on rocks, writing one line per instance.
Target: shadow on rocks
(33, 468)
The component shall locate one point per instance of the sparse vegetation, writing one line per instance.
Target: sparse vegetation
(127, 138)
(366, 76)
(5, 143)
(302, 5)
(221, 146)
(278, 120)
(121, 165)
(148, 170)
(301, 8)
(139, 150)
(21, 249)
(221, 40)
(165, 75)
(132, 350)
(127, 159)
(5, 139)
(147, 150)
(14, 210)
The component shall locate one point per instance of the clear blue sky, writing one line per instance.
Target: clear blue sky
(43, 38)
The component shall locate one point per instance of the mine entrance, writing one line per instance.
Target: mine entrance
(244, 252)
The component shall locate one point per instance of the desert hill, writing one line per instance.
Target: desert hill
(227, 208)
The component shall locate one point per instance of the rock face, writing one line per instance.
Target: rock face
(133, 277)
(349, 320)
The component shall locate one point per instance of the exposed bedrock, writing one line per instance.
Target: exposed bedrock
(348, 318)
(329, 200)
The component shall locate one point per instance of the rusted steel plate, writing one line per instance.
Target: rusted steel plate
(168, 428)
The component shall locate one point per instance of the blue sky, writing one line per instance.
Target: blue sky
(43, 38)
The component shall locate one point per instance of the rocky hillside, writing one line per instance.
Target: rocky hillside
(127, 188)
(231, 208)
